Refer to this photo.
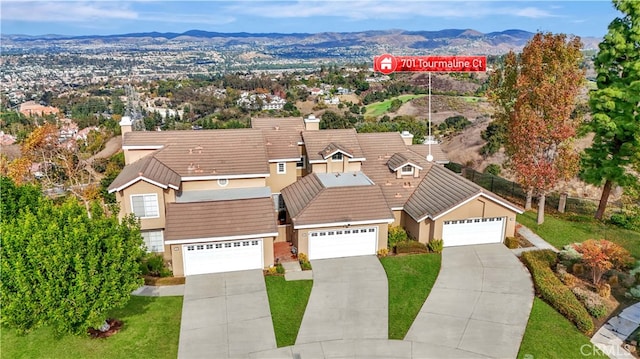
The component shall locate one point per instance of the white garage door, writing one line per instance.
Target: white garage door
(343, 243)
(473, 231)
(219, 257)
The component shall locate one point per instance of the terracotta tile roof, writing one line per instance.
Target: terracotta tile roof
(379, 148)
(282, 123)
(436, 151)
(282, 144)
(147, 168)
(214, 219)
(310, 203)
(317, 141)
(207, 153)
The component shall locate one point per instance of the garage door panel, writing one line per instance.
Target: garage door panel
(217, 257)
(473, 231)
(343, 243)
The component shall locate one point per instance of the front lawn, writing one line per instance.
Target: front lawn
(151, 330)
(550, 335)
(410, 278)
(560, 230)
(287, 301)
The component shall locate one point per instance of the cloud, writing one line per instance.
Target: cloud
(64, 11)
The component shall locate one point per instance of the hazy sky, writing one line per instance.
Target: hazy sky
(584, 18)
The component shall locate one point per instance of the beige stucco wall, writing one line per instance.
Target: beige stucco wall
(301, 236)
(353, 166)
(233, 183)
(178, 264)
(319, 167)
(478, 208)
(397, 218)
(418, 231)
(283, 230)
(142, 187)
(277, 181)
(131, 156)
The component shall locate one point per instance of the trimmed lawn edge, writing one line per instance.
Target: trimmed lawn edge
(287, 302)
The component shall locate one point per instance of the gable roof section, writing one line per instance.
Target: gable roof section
(148, 169)
(310, 204)
(217, 220)
(215, 154)
(281, 123)
(332, 149)
(442, 191)
(317, 141)
(282, 144)
(399, 160)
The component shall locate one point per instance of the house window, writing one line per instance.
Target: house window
(337, 156)
(145, 205)
(223, 182)
(153, 241)
(282, 168)
(407, 170)
(301, 163)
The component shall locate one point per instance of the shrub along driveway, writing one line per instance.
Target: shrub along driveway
(479, 305)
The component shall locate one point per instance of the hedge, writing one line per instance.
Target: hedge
(551, 289)
(411, 247)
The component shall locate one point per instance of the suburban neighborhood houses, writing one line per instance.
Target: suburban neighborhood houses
(217, 201)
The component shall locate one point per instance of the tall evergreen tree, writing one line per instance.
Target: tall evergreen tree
(615, 106)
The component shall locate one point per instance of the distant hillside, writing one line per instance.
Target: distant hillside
(458, 41)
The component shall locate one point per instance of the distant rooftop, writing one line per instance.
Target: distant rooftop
(344, 179)
(223, 194)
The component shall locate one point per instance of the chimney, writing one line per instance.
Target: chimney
(407, 137)
(125, 125)
(311, 123)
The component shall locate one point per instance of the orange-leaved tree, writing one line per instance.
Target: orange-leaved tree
(602, 255)
(542, 126)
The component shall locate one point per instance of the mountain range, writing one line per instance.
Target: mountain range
(446, 41)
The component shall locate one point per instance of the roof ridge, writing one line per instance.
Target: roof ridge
(322, 189)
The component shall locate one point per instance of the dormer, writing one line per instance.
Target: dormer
(335, 153)
(403, 166)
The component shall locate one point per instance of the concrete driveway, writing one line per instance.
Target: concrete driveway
(479, 305)
(225, 315)
(349, 300)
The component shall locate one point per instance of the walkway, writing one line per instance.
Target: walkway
(478, 308)
(536, 240)
(349, 300)
(225, 315)
(160, 291)
(611, 336)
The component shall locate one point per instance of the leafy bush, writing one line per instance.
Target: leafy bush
(602, 255)
(592, 301)
(567, 278)
(624, 220)
(383, 252)
(304, 261)
(493, 169)
(436, 245)
(511, 242)
(551, 289)
(411, 247)
(152, 264)
(303, 257)
(569, 255)
(396, 234)
(634, 292)
(279, 268)
(305, 265)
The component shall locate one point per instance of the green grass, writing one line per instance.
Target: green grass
(151, 330)
(380, 108)
(410, 279)
(288, 301)
(560, 230)
(549, 335)
(472, 99)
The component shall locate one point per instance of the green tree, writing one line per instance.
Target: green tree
(62, 269)
(614, 105)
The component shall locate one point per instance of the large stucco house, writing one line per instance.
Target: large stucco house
(218, 200)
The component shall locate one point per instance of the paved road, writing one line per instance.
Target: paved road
(225, 315)
(479, 305)
(349, 300)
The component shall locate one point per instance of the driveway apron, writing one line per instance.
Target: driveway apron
(349, 300)
(225, 315)
(479, 305)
